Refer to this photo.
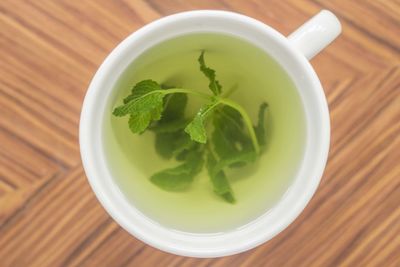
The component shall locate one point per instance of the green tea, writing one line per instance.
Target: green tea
(257, 78)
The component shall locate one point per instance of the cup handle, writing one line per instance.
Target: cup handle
(314, 35)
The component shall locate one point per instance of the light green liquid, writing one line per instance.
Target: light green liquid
(133, 159)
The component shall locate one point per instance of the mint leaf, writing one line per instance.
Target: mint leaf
(232, 117)
(260, 128)
(170, 145)
(174, 179)
(171, 140)
(196, 128)
(183, 145)
(229, 135)
(164, 144)
(186, 151)
(172, 118)
(180, 177)
(214, 85)
(139, 122)
(223, 145)
(145, 104)
(144, 92)
(142, 111)
(195, 161)
(219, 181)
(174, 107)
(170, 126)
(242, 158)
(142, 88)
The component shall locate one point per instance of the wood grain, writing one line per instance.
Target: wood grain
(49, 51)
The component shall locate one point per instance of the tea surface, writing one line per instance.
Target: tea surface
(133, 159)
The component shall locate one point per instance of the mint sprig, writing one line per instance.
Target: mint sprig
(214, 85)
(197, 127)
(180, 177)
(220, 134)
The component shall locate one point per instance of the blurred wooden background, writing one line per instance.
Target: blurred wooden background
(49, 51)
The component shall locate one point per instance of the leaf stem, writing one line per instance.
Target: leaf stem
(246, 119)
(185, 91)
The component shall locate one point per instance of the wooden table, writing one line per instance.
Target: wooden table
(49, 216)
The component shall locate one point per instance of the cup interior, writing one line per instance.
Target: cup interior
(133, 159)
(101, 97)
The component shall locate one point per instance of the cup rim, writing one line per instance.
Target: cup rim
(180, 243)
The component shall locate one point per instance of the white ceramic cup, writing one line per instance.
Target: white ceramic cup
(292, 53)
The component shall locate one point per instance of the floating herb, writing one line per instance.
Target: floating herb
(233, 140)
